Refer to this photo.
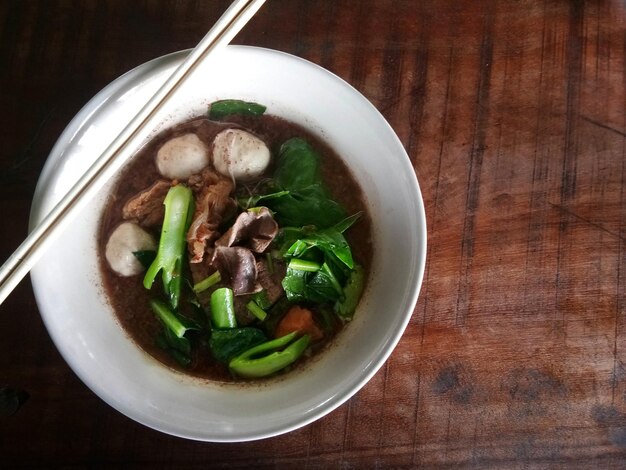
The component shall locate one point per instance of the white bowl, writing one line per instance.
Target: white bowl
(82, 325)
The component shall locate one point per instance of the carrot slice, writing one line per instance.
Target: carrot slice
(301, 320)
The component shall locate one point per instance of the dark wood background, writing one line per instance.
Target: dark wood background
(513, 115)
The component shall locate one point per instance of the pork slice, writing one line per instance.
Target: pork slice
(213, 204)
(147, 207)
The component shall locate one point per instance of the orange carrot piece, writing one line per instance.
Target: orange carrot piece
(301, 320)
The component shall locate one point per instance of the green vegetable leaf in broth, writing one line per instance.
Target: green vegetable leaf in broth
(328, 241)
(220, 109)
(353, 289)
(306, 286)
(228, 343)
(294, 284)
(323, 287)
(306, 206)
(297, 194)
(348, 222)
(176, 323)
(177, 348)
(298, 165)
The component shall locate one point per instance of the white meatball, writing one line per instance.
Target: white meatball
(239, 154)
(125, 239)
(182, 156)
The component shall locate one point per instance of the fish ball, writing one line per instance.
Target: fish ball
(182, 156)
(125, 239)
(240, 154)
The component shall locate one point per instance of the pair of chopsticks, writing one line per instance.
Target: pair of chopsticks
(31, 249)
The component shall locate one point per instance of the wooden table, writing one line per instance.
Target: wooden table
(513, 116)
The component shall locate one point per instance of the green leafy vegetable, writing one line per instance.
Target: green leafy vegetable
(226, 344)
(348, 222)
(178, 348)
(320, 263)
(297, 194)
(174, 322)
(172, 244)
(251, 201)
(307, 286)
(172, 339)
(329, 241)
(222, 308)
(269, 357)
(260, 298)
(295, 285)
(352, 291)
(310, 205)
(287, 236)
(298, 165)
(221, 109)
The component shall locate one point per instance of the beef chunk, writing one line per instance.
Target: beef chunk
(271, 281)
(147, 208)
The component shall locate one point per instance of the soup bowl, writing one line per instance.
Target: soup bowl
(67, 281)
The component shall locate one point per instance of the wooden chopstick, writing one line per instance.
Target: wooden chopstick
(118, 152)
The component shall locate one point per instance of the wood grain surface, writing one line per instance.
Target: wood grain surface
(513, 115)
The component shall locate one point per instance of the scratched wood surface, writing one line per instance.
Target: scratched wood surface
(513, 115)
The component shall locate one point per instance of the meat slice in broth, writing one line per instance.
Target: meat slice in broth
(147, 206)
(213, 205)
(253, 230)
(237, 265)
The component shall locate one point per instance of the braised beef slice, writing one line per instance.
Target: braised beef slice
(237, 267)
(254, 230)
(242, 314)
(199, 272)
(271, 281)
(213, 204)
(147, 207)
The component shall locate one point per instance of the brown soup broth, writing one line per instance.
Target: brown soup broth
(128, 297)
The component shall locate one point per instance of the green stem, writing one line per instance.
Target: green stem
(252, 363)
(169, 318)
(207, 282)
(256, 310)
(172, 244)
(304, 265)
(222, 308)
